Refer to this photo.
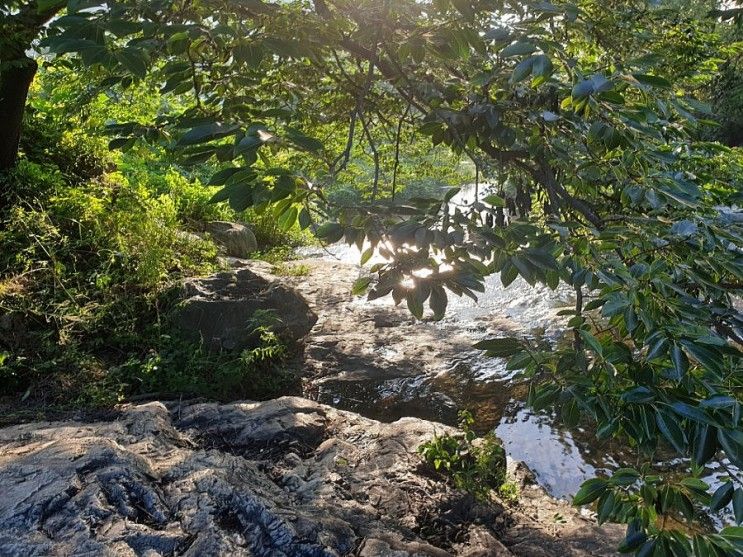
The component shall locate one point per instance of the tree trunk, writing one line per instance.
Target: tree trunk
(15, 82)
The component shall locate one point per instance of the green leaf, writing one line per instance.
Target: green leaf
(304, 142)
(450, 193)
(134, 60)
(638, 395)
(522, 70)
(722, 497)
(361, 285)
(43, 6)
(501, 347)
(592, 341)
(705, 444)
(123, 143)
(590, 491)
(625, 477)
(731, 442)
(221, 177)
(288, 218)
(330, 232)
(616, 303)
(207, 132)
(438, 301)
(684, 228)
(498, 34)
(634, 539)
(249, 53)
(508, 274)
(305, 219)
(680, 362)
(692, 413)
(241, 198)
(606, 506)
(670, 429)
(652, 80)
(414, 304)
(709, 358)
(550, 116)
(738, 505)
(518, 48)
(582, 89)
(494, 200)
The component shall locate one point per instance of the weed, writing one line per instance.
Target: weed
(477, 465)
(509, 492)
(284, 269)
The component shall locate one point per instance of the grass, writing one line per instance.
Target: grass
(285, 269)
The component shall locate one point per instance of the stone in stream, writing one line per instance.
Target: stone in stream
(226, 309)
(237, 239)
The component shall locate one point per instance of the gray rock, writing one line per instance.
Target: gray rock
(189, 237)
(207, 479)
(225, 309)
(236, 239)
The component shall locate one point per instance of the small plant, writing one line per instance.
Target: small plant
(509, 492)
(288, 270)
(475, 464)
(277, 255)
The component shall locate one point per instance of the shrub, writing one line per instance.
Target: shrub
(477, 465)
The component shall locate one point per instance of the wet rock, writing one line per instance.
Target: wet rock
(236, 239)
(225, 309)
(287, 477)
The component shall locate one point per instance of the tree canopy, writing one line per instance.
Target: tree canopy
(586, 122)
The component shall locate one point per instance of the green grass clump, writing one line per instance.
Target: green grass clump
(476, 465)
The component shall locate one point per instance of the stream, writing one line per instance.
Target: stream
(458, 377)
(561, 459)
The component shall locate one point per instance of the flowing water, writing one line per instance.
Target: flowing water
(561, 458)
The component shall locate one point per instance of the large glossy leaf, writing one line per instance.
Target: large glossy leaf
(208, 132)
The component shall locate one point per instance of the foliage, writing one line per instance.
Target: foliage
(290, 270)
(728, 101)
(477, 465)
(90, 253)
(583, 121)
(176, 367)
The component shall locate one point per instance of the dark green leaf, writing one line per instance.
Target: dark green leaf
(501, 347)
(590, 491)
(722, 497)
(207, 132)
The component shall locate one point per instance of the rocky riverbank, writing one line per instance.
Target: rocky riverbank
(285, 477)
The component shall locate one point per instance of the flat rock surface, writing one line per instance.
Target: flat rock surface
(285, 477)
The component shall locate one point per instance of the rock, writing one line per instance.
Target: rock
(288, 477)
(225, 309)
(236, 239)
(189, 237)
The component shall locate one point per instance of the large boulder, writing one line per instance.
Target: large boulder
(288, 477)
(237, 240)
(225, 310)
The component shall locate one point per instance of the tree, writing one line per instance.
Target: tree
(21, 23)
(595, 176)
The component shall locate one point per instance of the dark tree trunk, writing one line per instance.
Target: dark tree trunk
(15, 82)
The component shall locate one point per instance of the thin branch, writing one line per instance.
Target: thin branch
(397, 151)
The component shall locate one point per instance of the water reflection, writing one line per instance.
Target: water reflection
(560, 458)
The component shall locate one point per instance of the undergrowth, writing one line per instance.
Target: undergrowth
(93, 246)
(475, 464)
